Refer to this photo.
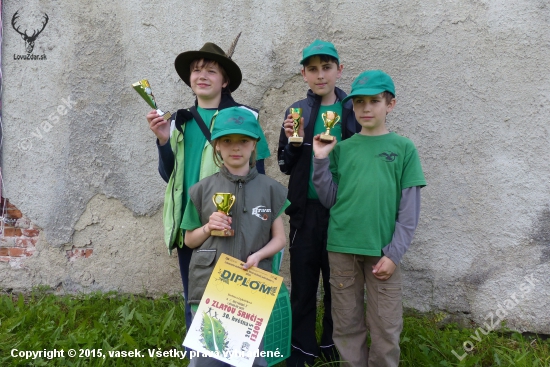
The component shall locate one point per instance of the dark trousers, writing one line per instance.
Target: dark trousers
(184, 258)
(308, 258)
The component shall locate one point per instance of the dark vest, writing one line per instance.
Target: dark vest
(258, 201)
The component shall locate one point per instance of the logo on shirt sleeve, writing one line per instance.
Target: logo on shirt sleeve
(261, 212)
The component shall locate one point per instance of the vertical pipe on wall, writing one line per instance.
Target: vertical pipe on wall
(2, 201)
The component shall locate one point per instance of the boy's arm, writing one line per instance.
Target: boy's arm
(322, 177)
(196, 232)
(161, 129)
(405, 225)
(166, 160)
(288, 154)
(322, 180)
(276, 244)
(196, 237)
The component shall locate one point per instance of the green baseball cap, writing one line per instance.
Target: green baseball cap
(371, 83)
(319, 47)
(236, 120)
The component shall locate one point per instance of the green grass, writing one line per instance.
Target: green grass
(108, 322)
(113, 322)
(425, 343)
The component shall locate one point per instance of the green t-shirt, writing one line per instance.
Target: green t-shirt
(191, 218)
(194, 141)
(262, 149)
(319, 128)
(371, 172)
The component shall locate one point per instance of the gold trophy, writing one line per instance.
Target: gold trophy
(223, 202)
(330, 118)
(144, 90)
(296, 117)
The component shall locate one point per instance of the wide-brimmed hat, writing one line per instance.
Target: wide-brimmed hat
(212, 52)
(371, 83)
(236, 120)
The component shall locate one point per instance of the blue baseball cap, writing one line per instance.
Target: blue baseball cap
(236, 120)
(371, 83)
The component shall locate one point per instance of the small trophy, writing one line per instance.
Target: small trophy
(223, 201)
(144, 90)
(330, 118)
(296, 117)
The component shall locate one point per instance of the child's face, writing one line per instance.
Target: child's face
(236, 150)
(321, 76)
(207, 80)
(371, 111)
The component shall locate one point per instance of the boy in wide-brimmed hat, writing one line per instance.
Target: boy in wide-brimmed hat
(185, 154)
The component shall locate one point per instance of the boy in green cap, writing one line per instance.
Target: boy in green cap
(375, 176)
(183, 142)
(321, 69)
(257, 237)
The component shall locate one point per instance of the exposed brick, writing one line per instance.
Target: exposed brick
(29, 251)
(12, 232)
(25, 242)
(14, 213)
(31, 232)
(3, 251)
(74, 254)
(4, 259)
(16, 252)
(77, 253)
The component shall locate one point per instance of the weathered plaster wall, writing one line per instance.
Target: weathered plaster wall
(473, 93)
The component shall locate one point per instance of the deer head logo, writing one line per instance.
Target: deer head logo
(29, 39)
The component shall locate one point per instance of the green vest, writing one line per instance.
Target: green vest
(173, 197)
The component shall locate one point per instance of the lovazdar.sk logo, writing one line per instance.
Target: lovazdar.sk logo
(29, 29)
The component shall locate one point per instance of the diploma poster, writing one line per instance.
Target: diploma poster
(233, 313)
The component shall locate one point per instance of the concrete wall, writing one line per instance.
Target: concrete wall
(473, 93)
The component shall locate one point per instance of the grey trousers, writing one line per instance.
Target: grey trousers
(384, 317)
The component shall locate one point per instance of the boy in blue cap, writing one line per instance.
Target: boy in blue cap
(376, 176)
(308, 218)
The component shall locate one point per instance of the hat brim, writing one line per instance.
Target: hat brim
(363, 92)
(319, 54)
(235, 131)
(184, 60)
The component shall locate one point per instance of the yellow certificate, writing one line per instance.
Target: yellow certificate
(233, 313)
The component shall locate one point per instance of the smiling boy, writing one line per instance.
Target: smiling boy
(321, 68)
(376, 176)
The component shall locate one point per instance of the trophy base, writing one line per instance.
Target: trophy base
(296, 140)
(326, 138)
(164, 115)
(222, 233)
